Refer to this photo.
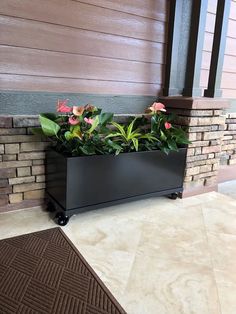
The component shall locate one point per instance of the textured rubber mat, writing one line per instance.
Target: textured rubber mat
(43, 272)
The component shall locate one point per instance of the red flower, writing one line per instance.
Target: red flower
(168, 125)
(73, 120)
(62, 107)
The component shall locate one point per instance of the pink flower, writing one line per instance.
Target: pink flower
(88, 120)
(167, 125)
(73, 120)
(78, 111)
(62, 107)
(157, 106)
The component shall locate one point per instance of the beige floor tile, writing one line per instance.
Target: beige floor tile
(223, 251)
(24, 221)
(175, 243)
(220, 216)
(228, 188)
(105, 231)
(226, 284)
(112, 266)
(159, 286)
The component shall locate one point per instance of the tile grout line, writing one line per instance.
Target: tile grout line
(211, 258)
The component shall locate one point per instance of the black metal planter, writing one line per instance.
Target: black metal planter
(78, 184)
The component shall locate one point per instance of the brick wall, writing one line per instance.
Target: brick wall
(22, 169)
(205, 131)
(228, 149)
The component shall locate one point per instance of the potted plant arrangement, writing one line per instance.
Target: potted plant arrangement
(96, 161)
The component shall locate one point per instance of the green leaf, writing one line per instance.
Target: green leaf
(163, 137)
(105, 117)
(49, 115)
(130, 128)
(113, 135)
(68, 135)
(94, 125)
(120, 128)
(49, 127)
(135, 142)
(172, 145)
(164, 149)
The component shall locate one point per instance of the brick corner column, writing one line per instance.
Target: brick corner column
(204, 120)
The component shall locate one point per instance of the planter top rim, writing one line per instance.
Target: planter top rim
(112, 155)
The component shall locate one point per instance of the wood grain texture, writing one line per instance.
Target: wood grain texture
(46, 63)
(80, 15)
(147, 8)
(33, 34)
(56, 84)
(111, 47)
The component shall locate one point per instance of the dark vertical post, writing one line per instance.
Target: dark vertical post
(171, 62)
(177, 46)
(196, 40)
(218, 49)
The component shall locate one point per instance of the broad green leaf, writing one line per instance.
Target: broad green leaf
(166, 150)
(114, 145)
(49, 115)
(105, 117)
(68, 135)
(76, 131)
(172, 145)
(49, 127)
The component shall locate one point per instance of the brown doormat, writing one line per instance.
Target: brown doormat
(42, 272)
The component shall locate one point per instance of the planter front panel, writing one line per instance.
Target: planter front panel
(100, 179)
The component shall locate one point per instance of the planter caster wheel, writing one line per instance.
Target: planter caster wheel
(174, 196)
(62, 219)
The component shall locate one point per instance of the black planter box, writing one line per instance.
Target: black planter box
(77, 184)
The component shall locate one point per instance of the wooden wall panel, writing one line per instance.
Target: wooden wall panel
(84, 16)
(88, 46)
(57, 84)
(33, 34)
(48, 63)
(150, 8)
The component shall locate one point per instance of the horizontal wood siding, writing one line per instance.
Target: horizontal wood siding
(228, 82)
(102, 46)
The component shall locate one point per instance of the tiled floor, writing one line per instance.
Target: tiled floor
(157, 256)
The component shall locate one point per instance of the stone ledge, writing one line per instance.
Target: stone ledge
(195, 103)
